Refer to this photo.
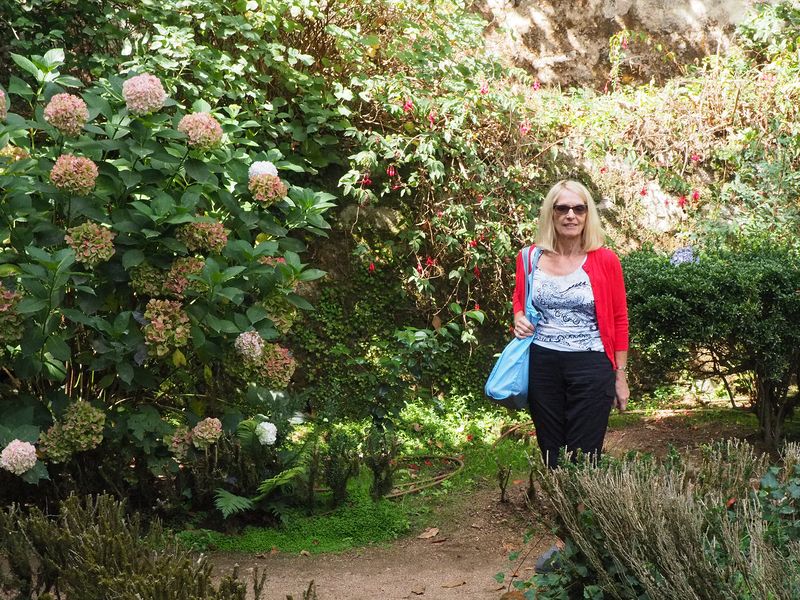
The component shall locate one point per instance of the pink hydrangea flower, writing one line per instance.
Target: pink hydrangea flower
(13, 153)
(250, 345)
(143, 94)
(177, 280)
(167, 327)
(3, 107)
(202, 235)
(277, 366)
(91, 242)
(10, 319)
(74, 174)
(203, 130)
(206, 433)
(67, 113)
(18, 457)
(267, 188)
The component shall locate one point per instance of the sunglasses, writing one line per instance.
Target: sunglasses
(563, 209)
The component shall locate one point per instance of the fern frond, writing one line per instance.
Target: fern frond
(230, 504)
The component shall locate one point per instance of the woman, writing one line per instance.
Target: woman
(578, 359)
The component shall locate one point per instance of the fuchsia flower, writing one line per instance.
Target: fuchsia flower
(74, 174)
(524, 128)
(624, 43)
(432, 118)
(67, 113)
(366, 181)
(484, 88)
(695, 157)
(143, 94)
(473, 243)
(536, 85)
(202, 129)
(603, 169)
(3, 107)
(371, 267)
(477, 306)
(477, 272)
(91, 242)
(408, 106)
(682, 201)
(391, 171)
(430, 262)
(18, 457)
(643, 192)
(695, 195)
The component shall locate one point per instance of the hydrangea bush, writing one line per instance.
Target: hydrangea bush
(133, 255)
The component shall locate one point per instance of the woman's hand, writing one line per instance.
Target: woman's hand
(622, 391)
(522, 326)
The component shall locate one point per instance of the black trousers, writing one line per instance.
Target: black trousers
(570, 395)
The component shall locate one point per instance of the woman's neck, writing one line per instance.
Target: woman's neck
(569, 248)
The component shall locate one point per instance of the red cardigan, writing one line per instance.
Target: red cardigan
(608, 287)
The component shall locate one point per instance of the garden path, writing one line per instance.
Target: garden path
(476, 535)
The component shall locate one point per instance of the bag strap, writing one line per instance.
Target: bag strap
(530, 260)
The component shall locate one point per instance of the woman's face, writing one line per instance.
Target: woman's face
(568, 223)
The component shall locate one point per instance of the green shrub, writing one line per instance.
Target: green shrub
(681, 529)
(726, 314)
(93, 550)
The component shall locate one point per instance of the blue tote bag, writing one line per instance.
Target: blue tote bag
(508, 382)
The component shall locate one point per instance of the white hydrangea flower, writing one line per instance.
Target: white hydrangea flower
(18, 457)
(262, 167)
(267, 433)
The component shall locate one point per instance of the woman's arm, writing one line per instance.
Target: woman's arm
(622, 393)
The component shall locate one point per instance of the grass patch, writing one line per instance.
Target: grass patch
(359, 522)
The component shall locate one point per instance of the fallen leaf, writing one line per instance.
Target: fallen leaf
(274, 550)
(429, 533)
(476, 526)
(454, 584)
(439, 541)
(517, 481)
(418, 591)
(515, 595)
(305, 553)
(436, 322)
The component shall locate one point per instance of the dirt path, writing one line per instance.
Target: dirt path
(476, 535)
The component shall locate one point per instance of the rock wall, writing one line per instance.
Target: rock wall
(566, 41)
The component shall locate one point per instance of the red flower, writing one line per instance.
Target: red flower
(729, 504)
(473, 243)
(524, 128)
(479, 198)
(419, 268)
(396, 187)
(366, 181)
(477, 272)
(430, 261)
(413, 466)
(428, 462)
(695, 157)
(408, 106)
(391, 171)
(432, 118)
(643, 192)
(695, 195)
(682, 201)
(439, 213)
(477, 306)
(625, 43)
(469, 435)
(484, 88)
(604, 169)
(371, 267)
(536, 85)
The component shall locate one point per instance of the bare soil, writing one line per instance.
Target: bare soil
(476, 535)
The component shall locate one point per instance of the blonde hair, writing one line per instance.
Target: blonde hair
(592, 237)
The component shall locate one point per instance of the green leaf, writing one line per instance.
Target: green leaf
(281, 479)
(29, 305)
(197, 170)
(478, 315)
(36, 474)
(58, 348)
(26, 65)
(455, 308)
(125, 372)
(299, 302)
(132, 258)
(53, 58)
(229, 504)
